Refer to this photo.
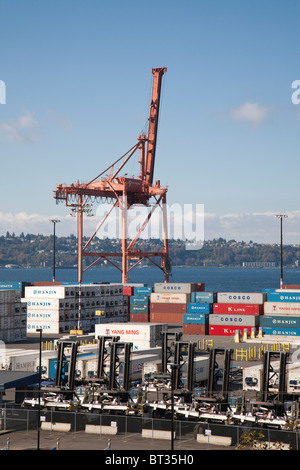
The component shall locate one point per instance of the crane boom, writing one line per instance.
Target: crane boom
(153, 123)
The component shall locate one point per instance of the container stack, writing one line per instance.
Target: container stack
(236, 311)
(140, 304)
(282, 313)
(196, 320)
(12, 315)
(168, 302)
(55, 308)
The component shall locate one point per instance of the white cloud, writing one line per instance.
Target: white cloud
(259, 227)
(23, 129)
(250, 112)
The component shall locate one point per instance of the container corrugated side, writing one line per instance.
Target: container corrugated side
(219, 330)
(199, 307)
(204, 297)
(238, 320)
(241, 297)
(284, 297)
(196, 318)
(282, 308)
(169, 298)
(168, 308)
(282, 321)
(194, 329)
(166, 317)
(280, 331)
(242, 309)
(178, 287)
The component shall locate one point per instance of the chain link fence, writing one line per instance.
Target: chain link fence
(18, 419)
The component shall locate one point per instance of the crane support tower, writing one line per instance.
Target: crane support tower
(125, 192)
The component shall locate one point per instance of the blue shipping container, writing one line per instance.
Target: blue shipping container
(139, 299)
(143, 290)
(15, 285)
(193, 307)
(139, 308)
(268, 330)
(204, 297)
(199, 318)
(283, 321)
(287, 297)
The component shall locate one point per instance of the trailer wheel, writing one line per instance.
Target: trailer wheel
(198, 429)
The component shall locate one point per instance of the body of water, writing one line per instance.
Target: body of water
(215, 279)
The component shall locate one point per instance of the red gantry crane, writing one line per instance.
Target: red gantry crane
(125, 192)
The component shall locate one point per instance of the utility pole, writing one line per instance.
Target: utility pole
(281, 216)
(54, 221)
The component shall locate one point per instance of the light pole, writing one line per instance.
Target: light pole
(40, 381)
(281, 216)
(54, 221)
(173, 367)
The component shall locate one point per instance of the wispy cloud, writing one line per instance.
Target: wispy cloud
(250, 112)
(23, 129)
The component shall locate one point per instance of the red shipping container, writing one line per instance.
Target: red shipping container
(163, 307)
(238, 309)
(194, 329)
(291, 287)
(166, 317)
(219, 330)
(139, 317)
(46, 283)
(128, 290)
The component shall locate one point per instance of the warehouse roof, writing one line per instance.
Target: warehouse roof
(14, 379)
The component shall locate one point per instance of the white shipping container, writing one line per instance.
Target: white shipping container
(173, 287)
(169, 298)
(282, 308)
(45, 315)
(241, 297)
(132, 332)
(47, 326)
(43, 303)
(46, 292)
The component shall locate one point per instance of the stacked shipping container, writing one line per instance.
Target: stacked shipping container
(196, 320)
(12, 315)
(168, 302)
(236, 311)
(55, 308)
(282, 313)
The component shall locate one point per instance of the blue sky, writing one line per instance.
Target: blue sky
(78, 83)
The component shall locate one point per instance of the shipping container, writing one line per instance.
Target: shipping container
(170, 298)
(131, 332)
(139, 299)
(241, 297)
(282, 308)
(143, 290)
(283, 321)
(204, 297)
(284, 297)
(194, 329)
(139, 308)
(177, 287)
(168, 308)
(242, 309)
(58, 292)
(53, 327)
(199, 307)
(196, 318)
(238, 320)
(43, 304)
(139, 317)
(219, 330)
(280, 331)
(166, 317)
